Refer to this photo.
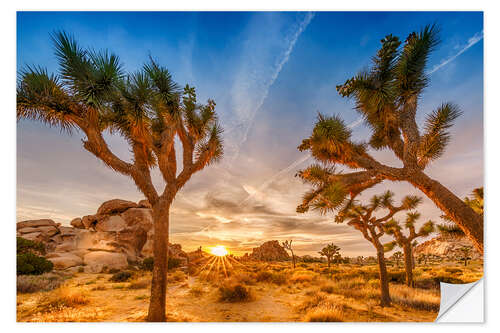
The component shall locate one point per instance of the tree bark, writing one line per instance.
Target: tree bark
(469, 221)
(157, 301)
(385, 299)
(328, 258)
(408, 264)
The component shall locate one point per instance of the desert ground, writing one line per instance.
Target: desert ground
(221, 289)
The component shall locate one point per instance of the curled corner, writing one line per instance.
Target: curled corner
(454, 295)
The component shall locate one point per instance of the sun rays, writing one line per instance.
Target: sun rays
(220, 263)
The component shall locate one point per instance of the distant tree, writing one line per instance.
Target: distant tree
(93, 94)
(337, 259)
(397, 256)
(464, 254)
(287, 245)
(387, 97)
(362, 217)
(360, 260)
(329, 252)
(393, 228)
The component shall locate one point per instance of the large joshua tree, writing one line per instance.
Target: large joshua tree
(364, 219)
(405, 241)
(329, 252)
(92, 93)
(387, 97)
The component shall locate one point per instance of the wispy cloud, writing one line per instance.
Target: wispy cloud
(478, 36)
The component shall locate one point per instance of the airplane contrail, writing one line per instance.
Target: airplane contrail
(291, 167)
(478, 36)
(303, 25)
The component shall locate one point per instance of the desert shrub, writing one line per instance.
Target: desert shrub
(302, 276)
(234, 292)
(314, 299)
(279, 278)
(327, 288)
(325, 313)
(80, 269)
(112, 270)
(139, 284)
(176, 276)
(64, 297)
(446, 279)
(120, 276)
(35, 283)
(99, 288)
(25, 245)
(415, 298)
(147, 264)
(264, 276)
(174, 263)
(397, 277)
(196, 290)
(30, 264)
(453, 270)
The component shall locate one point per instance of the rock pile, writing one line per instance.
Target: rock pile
(120, 232)
(269, 251)
(448, 247)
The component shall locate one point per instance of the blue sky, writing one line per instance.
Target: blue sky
(269, 73)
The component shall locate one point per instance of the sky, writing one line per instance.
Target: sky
(270, 73)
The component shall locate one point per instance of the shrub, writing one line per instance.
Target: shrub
(30, 264)
(234, 292)
(398, 277)
(80, 269)
(147, 264)
(176, 276)
(264, 276)
(328, 288)
(121, 276)
(25, 245)
(35, 283)
(141, 284)
(174, 263)
(65, 297)
(196, 290)
(326, 313)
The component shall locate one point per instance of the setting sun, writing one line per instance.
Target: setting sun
(219, 250)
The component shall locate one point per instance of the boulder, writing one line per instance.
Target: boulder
(139, 217)
(96, 240)
(98, 261)
(65, 260)
(68, 231)
(144, 204)
(48, 230)
(270, 251)
(115, 206)
(110, 223)
(447, 247)
(89, 221)
(28, 230)
(36, 223)
(34, 236)
(77, 223)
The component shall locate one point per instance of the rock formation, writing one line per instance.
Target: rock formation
(447, 247)
(269, 251)
(120, 232)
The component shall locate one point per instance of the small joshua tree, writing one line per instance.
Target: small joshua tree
(392, 227)
(329, 252)
(397, 256)
(464, 254)
(287, 245)
(337, 258)
(360, 260)
(362, 217)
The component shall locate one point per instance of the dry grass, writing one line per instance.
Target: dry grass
(325, 313)
(35, 283)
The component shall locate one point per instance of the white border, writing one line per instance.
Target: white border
(8, 139)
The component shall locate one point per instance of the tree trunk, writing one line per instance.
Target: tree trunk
(157, 301)
(469, 221)
(293, 260)
(328, 259)
(385, 299)
(408, 264)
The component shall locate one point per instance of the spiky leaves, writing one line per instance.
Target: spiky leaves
(436, 134)
(41, 97)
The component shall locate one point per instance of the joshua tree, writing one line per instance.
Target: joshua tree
(387, 98)
(329, 252)
(92, 93)
(360, 260)
(397, 256)
(362, 218)
(337, 258)
(465, 254)
(287, 245)
(392, 227)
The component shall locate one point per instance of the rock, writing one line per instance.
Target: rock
(139, 217)
(77, 223)
(35, 223)
(144, 204)
(66, 246)
(270, 251)
(28, 230)
(447, 247)
(65, 260)
(48, 230)
(89, 221)
(96, 240)
(97, 261)
(131, 241)
(110, 223)
(68, 231)
(115, 206)
(34, 236)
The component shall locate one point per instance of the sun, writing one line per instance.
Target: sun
(219, 250)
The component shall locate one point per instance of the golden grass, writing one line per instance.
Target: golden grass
(325, 313)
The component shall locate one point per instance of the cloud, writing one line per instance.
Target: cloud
(478, 36)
